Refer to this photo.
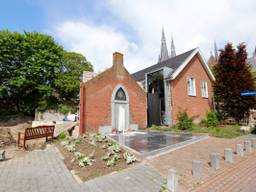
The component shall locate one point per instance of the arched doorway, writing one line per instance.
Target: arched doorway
(120, 109)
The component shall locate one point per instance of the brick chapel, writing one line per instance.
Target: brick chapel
(114, 100)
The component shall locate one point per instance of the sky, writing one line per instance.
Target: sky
(97, 28)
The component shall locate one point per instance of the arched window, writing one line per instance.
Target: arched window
(120, 95)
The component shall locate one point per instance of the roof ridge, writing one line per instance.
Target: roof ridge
(191, 50)
(165, 61)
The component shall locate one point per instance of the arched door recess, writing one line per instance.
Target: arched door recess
(120, 109)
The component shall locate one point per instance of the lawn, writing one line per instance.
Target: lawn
(94, 155)
(223, 131)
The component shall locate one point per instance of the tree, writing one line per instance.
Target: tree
(233, 77)
(68, 81)
(29, 64)
(36, 73)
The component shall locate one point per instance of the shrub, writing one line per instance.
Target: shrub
(184, 122)
(85, 160)
(115, 148)
(62, 136)
(129, 158)
(211, 120)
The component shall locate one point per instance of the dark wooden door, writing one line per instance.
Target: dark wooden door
(154, 109)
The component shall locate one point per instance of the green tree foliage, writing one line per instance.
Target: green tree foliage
(36, 73)
(233, 77)
(67, 83)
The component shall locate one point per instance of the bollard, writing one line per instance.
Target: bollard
(172, 180)
(240, 150)
(248, 146)
(215, 160)
(2, 155)
(228, 155)
(197, 169)
(253, 140)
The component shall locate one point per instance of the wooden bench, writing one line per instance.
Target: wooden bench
(35, 133)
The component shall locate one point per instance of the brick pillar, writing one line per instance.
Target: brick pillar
(82, 110)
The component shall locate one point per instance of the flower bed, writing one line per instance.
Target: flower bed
(93, 155)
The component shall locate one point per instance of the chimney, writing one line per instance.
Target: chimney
(117, 59)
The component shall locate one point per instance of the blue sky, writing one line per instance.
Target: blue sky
(97, 28)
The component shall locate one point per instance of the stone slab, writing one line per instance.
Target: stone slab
(105, 130)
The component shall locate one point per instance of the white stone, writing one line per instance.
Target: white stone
(172, 180)
(105, 130)
(228, 155)
(215, 160)
(253, 140)
(248, 146)
(240, 150)
(197, 168)
(133, 127)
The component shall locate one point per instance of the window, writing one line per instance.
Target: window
(204, 89)
(120, 95)
(191, 86)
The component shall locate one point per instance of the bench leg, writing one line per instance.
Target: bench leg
(18, 139)
(24, 144)
(46, 139)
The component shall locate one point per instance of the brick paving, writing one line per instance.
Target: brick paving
(44, 171)
(243, 170)
(239, 177)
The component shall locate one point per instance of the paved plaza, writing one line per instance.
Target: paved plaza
(44, 171)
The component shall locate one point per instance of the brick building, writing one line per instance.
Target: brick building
(112, 100)
(116, 100)
(175, 84)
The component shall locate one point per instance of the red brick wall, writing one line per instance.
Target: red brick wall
(97, 99)
(194, 105)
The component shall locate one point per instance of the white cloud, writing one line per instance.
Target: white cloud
(97, 43)
(192, 23)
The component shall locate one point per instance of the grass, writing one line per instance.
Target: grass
(225, 131)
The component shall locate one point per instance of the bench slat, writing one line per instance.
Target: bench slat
(39, 132)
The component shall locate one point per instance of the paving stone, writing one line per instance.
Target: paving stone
(44, 170)
(181, 160)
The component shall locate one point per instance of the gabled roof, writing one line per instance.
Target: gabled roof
(177, 64)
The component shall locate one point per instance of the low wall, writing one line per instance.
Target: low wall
(49, 115)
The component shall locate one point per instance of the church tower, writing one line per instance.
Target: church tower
(173, 51)
(163, 52)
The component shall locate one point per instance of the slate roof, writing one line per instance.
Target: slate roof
(173, 63)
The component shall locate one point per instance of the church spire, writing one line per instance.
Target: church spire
(215, 51)
(163, 52)
(173, 52)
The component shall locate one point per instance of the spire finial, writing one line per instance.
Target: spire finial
(163, 52)
(173, 51)
(215, 50)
